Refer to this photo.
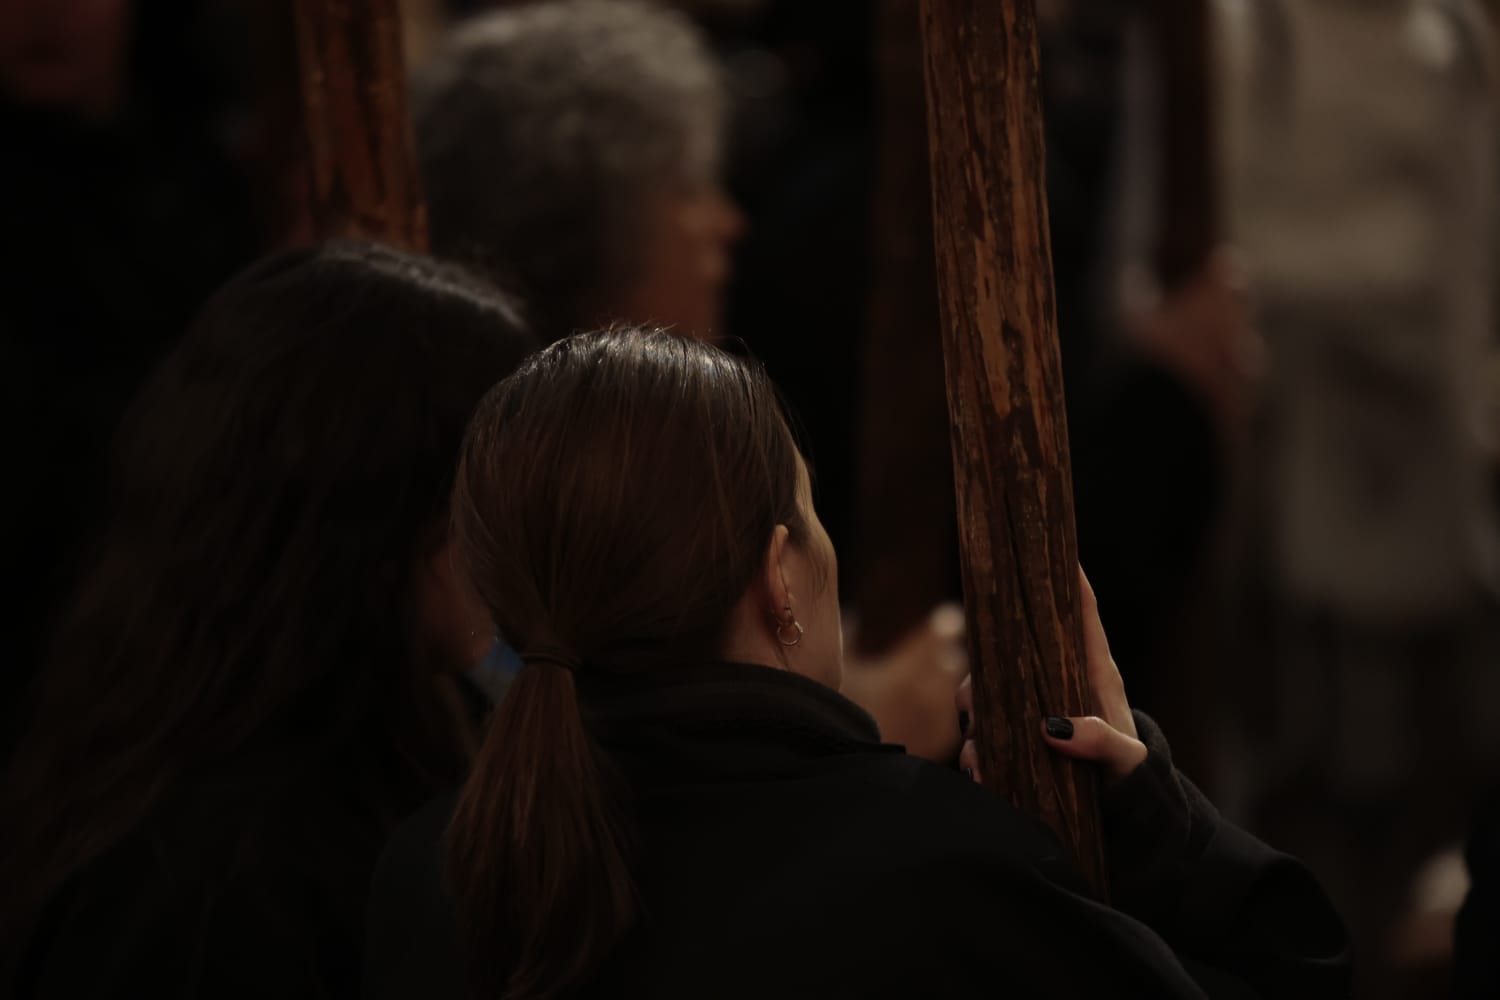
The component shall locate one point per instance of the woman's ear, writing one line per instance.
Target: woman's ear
(778, 594)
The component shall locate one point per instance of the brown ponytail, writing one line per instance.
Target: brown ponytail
(536, 845)
(615, 499)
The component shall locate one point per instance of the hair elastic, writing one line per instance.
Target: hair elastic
(553, 655)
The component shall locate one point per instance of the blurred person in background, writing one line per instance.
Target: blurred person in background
(1361, 138)
(574, 150)
(124, 210)
(1153, 390)
(253, 682)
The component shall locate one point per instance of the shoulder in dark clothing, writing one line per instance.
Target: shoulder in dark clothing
(793, 857)
(244, 885)
(411, 947)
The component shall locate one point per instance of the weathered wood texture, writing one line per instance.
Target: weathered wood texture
(361, 170)
(907, 538)
(1005, 401)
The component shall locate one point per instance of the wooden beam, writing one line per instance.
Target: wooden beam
(361, 173)
(1018, 545)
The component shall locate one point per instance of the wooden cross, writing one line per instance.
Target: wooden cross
(1019, 551)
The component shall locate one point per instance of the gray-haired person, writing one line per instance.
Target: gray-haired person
(571, 150)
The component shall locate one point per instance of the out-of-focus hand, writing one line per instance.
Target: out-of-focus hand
(912, 690)
(1202, 332)
(1109, 735)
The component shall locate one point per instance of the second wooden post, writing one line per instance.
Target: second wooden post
(361, 171)
(1005, 403)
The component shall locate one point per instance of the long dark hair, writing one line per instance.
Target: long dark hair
(616, 498)
(273, 488)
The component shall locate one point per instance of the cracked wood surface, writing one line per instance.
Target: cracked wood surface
(1005, 404)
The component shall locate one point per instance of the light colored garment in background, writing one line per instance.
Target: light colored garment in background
(1359, 148)
(1361, 182)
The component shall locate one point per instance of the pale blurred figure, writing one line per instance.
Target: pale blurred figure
(1359, 140)
(573, 150)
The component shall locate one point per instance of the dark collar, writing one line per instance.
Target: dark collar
(724, 714)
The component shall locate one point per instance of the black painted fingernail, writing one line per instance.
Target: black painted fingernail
(1059, 728)
(963, 723)
(969, 773)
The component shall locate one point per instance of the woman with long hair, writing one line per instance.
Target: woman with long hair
(675, 801)
(254, 681)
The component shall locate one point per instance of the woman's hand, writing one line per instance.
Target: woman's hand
(1109, 736)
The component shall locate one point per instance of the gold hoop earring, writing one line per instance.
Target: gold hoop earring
(782, 626)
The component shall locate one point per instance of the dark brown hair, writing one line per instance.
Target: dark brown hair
(616, 497)
(275, 485)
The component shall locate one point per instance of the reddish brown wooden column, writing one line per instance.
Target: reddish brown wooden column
(1005, 402)
(361, 175)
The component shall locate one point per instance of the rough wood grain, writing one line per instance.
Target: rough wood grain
(1005, 402)
(362, 178)
(906, 537)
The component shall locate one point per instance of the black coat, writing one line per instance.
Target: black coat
(786, 852)
(250, 881)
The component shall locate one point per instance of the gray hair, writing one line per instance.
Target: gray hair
(544, 130)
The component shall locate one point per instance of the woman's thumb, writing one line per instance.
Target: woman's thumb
(1091, 738)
